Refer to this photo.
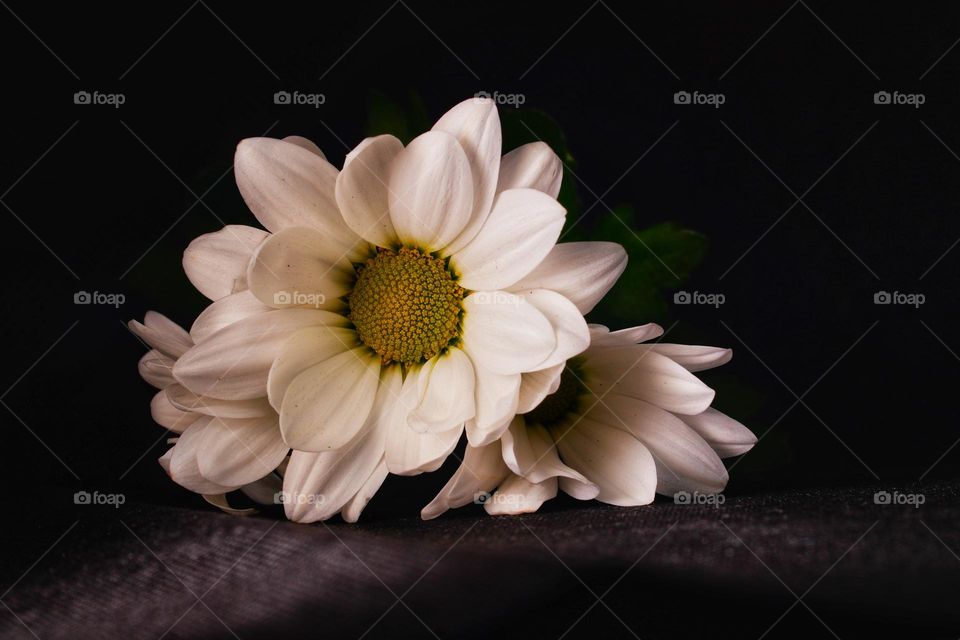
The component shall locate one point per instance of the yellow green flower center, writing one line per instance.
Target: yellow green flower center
(562, 402)
(406, 305)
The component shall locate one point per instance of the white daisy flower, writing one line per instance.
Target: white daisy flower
(395, 302)
(618, 423)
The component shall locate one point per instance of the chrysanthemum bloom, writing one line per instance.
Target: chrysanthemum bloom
(225, 445)
(618, 423)
(394, 302)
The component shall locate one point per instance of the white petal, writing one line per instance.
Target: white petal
(318, 485)
(216, 263)
(352, 510)
(727, 436)
(446, 390)
(496, 399)
(286, 185)
(298, 267)
(180, 461)
(431, 191)
(529, 451)
(537, 385)
(476, 126)
(162, 334)
(519, 233)
(619, 464)
(304, 143)
(301, 351)
(601, 337)
(694, 358)
(505, 334)
(235, 452)
(482, 470)
(408, 451)
(186, 400)
(684, 459)
(224, 312)
(517, 495)
(362, 190)
(646, 375)
(567, 322)
(167, 415)
(582, 271)
(234, 362)
(326, 405)
(533, 165)
(156, 369)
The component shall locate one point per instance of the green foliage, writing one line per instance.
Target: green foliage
(405, 119)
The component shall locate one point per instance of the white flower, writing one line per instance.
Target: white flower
(618, 423)
(225, 445)
(393, 303)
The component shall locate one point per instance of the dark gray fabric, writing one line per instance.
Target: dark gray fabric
(663, 571)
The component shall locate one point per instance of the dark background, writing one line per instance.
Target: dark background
(845, 393)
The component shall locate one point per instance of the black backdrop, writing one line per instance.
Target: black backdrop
(105, 199)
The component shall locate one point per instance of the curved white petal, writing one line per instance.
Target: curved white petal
(533, 165)
(162, 334)
(446, 388)
(518, 234)
(286, 185)
(727, 436)
(537, 385)
(517, 495)
(582, 271)
(156, 369)
(304, 143)
(167, 415)
(233, 363)
(476, 126)
(482, 470)
(362, 190)
(505, 334)
(430, 191)
(602, 338)
(496, 400)
(301, 351)
(186, 400)
(216, 263)
(684, 459)
(619, 464)
(224, 312)
(180, 462)
(297, 267)
(640, 373)
(529, 451)
(235, 452)
(694, 358)
(327, 405)
(352, 510)
(568, 324)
